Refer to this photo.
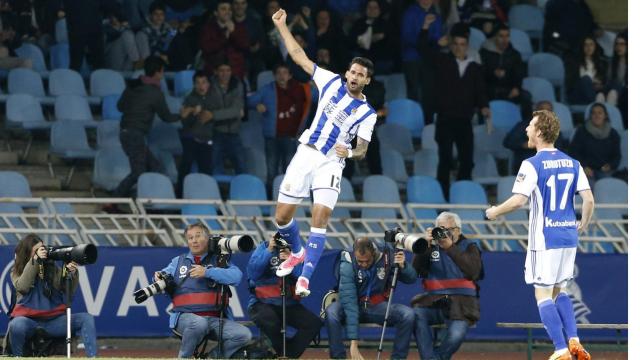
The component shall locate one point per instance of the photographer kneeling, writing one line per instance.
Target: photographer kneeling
(364, 286)
(40, 299)
(265, 299)
(450, 269)
(198, 279)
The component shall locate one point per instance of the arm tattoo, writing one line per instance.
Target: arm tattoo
(361, 149)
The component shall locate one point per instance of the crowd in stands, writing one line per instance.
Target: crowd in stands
(230, 42)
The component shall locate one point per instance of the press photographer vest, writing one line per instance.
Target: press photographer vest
(36, 305)
(267, 290)
(445, 277)
(374, 283)
(200, 295)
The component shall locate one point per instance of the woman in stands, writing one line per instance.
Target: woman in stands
(586, 74)
(40, 302)
(597, 145)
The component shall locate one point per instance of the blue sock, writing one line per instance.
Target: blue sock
(291, 234)
(552, 323)
(565, 310)
(314, 248)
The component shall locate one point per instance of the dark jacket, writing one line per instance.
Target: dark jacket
(595, 153)
(139, 103)
(572, 67)
(510, 61)
(191, 126)
(461, 307)
(227, 106)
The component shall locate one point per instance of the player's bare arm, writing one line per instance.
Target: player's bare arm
(297, 54)
(357, 154)
(515, 202)
(588, 205)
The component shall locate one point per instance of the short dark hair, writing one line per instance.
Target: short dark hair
(460, 30)
(220, 2)
(157, 5)
(364, 245)
(152, 65)
(281, 65)
(502, 26)
(363, 61)
(199, 74)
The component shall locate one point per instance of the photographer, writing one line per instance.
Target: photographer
(265, 299)
(450, 269)
(40, 300)
(364, 284)
(196, 296)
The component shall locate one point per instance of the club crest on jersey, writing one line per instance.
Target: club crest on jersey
(520, 177)
(353, 111)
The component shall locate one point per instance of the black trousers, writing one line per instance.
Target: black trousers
(269, 319)
(141, 160)
(194, 151)
(81, 39)
(450, 130)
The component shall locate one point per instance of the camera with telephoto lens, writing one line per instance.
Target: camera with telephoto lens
(84, 254)
(165, 284)
(439, 233)
(219, 245)
(412, 242)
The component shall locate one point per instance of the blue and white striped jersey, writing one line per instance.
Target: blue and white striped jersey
(551, 179)
(339, 117)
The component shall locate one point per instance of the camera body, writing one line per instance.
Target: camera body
(439, 233)
(165, 284)
(220, 245)
(403, 241)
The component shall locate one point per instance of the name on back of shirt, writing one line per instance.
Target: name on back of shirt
(556, 164)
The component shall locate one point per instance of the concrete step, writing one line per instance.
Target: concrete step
(8, 158)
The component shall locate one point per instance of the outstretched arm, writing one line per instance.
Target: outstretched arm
(515, 202)
(293, 48)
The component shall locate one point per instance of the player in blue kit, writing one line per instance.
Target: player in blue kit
(550, 180)
(343, 114)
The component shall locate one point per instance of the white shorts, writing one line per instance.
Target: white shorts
(311, 170)
(553, 267)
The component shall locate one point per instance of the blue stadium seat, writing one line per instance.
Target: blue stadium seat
(27, 81)
(520, 41)
(485, 170)
(476, 39)
(468, 192)
(610, 191)
(68, 82)
(615, 118)
(33, 52)
(395, 86)
(251, 134)
(396, 137)
(548, 66)
(407, 113)
(346, 195)
(491, 143)
(247, 187)
(24, 111)
(165, 136)
(12, 221)
(69, 141)
(167, 161)
(527, 18)
(505, 185)
(504, 114)
(183, 83)
(108, 134)
(393, 165)
(424, 190)
(14, 184)
(256, 163)
(380, 189)
(201, 186)
(110, 108)
(59, 56)
(105, 82)
(110, 167)
(425, 162)
(566, 120)
(428, 137)
(74, 108)
(540, 89)
(156, 186)
(264, 78)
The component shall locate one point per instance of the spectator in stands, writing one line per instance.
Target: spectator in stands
(140, 102)
(184, 46)
(365, 276)
(450, 271)
(121, 50)
(197, 129)
(586, 74)
(84, 27)
(284, 104)
(251, 20)
(566, 23)
(596, 145)
(485, 15)
(516, 139)
(201, 272)
(420, 18)
(155, 38)
(329, 35)
(265, 299)
(461, 91)
(221, 37)
(228, 110)
(40, 301)
(503, 68)
(324, 60)
(369, 37)
(617, 88)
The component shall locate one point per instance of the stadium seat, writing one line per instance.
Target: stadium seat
(63, 208)
(247, 187)
(110, 167)
(110, 108)
(615, 118)
(12, 221)
(520, 41)
(540, 89)
(108, 134)
(167, 161)
(251, 134)
(407, 113)
(183, 83)
(105, 82)
(395, 86)
(202, 187)
(504, 192)
(24, 111)
(393, 165)
(264, 78)
(379, 189)
(566, 120)
(610, 191)
(74, 108)
(428, 137)
(346, 195)
(504, 114)
(485, 170)
(527, 18)
(476, 38)
(27, 81)
(165, 136)
(156, 186)
(624, 150)
(59, 56)
(491, 143)
(607, 42)
(425, 190)
(61, 31)
(69, 141)
(468, 192)
(68, 82)
(33, 52)
(548, 66)
(14, 184)
(396, 137)
(256, 163)
(425, 162)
